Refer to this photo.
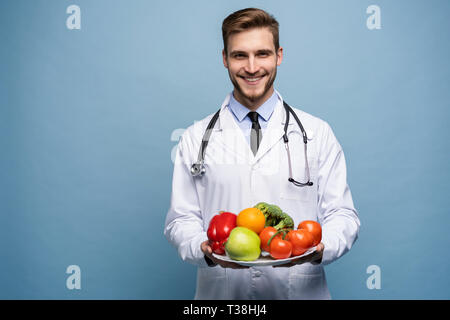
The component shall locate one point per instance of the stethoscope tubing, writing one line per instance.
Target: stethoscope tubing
(198, 168)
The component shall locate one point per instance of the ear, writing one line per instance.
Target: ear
(279, 55)
(224, 57)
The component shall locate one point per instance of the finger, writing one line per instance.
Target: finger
(216, 261)
(315, 257)
(239, 267)
(207, 250)
(204, 247)
(231, 265)
(285, 265)
(320, 247)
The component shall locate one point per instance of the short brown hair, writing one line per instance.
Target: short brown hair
(246, 19)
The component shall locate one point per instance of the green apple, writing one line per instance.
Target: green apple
(243, 244)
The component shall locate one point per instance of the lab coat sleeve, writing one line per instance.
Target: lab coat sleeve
(184, 223)
(337, 214)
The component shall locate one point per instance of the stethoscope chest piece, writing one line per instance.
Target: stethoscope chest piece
(197, 169)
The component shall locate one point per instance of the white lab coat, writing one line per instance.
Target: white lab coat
(235, 179)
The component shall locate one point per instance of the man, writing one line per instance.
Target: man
(246, 162)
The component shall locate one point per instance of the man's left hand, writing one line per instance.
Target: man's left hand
(316, 256)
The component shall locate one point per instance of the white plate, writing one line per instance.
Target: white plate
(264, 260)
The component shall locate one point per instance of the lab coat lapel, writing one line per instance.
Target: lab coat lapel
(232, 136)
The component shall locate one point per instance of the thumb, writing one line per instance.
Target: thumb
(320, 247)
(206, 248)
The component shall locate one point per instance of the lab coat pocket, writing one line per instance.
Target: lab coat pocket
(308, 282)
(290, 191)
(211, 283)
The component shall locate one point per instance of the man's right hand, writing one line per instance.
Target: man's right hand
(207, 250)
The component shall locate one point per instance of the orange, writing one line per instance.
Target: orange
(251, 218)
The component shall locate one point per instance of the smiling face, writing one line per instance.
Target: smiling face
(252, 65)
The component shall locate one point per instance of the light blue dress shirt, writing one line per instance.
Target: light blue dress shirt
(264, 113)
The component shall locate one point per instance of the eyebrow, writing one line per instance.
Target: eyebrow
(266, 51)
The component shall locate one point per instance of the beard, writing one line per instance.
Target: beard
(255, 97)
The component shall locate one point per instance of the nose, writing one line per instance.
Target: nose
(251, 65)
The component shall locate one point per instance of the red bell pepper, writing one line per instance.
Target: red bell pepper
(219, 229)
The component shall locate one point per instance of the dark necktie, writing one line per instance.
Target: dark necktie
(255, 133)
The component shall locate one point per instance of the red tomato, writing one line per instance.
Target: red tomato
(301, 241)
(280, 249)
(314, 228)
(265, 236)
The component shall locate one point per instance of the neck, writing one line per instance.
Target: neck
(252, 105)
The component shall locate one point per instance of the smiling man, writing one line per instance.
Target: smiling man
(274, 166)
(252, 60)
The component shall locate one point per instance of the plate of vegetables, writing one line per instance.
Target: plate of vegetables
(262, 235)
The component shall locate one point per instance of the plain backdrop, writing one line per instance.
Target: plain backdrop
(89, 118)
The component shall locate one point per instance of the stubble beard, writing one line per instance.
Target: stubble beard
(253, 98)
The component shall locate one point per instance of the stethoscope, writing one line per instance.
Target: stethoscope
(198, 168)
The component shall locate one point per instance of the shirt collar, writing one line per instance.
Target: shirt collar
(265, 110)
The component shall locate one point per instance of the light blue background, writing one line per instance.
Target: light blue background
(87, 118)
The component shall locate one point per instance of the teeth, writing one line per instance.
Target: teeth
(252, 79)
